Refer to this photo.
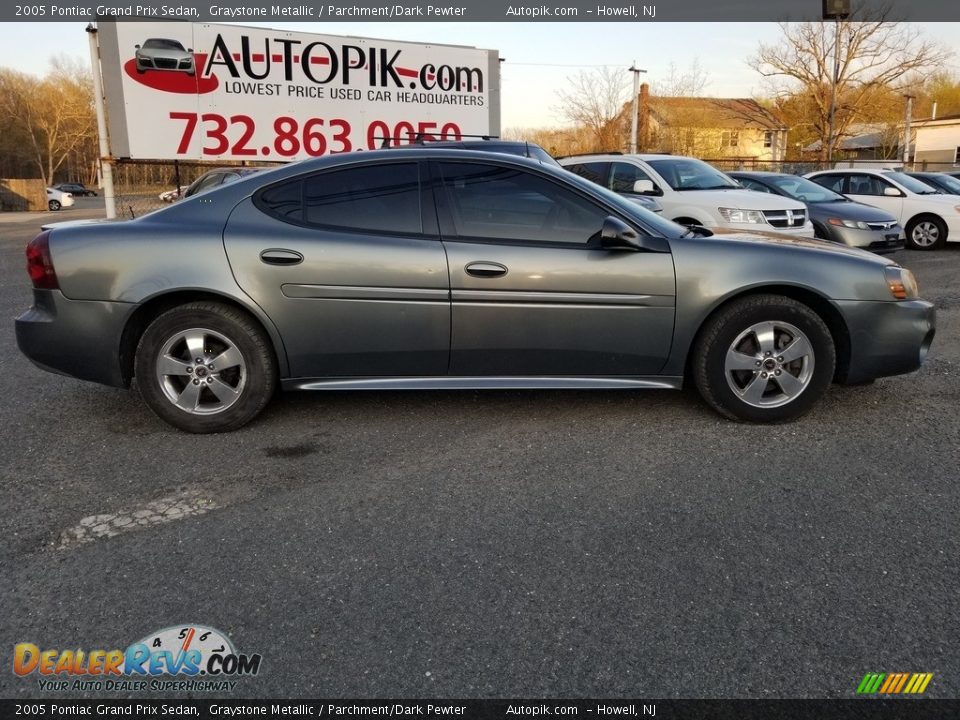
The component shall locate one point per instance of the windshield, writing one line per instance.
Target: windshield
(805, 190)
(691, 174)
(657, 224)
(920, 188)
(162, 44)
(949, 182)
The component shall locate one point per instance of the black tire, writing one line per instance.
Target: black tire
(926, 232)
(731, 330)
(229, 396)
(54, 205)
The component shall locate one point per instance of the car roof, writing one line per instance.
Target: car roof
(759, 173)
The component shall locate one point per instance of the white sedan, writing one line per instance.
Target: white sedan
(57, 199)
(930, 218)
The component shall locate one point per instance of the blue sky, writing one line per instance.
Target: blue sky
(529, 86)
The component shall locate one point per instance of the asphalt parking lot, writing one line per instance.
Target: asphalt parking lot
(495, 544)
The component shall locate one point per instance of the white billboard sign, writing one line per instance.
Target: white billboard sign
(178, 90)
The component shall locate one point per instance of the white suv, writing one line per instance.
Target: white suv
(693, 192)
(930, 219)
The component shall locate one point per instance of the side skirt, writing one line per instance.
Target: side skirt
(650, 382)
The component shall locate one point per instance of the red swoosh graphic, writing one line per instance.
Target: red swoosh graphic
(174, 81)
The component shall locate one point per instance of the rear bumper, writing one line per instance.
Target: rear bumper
(79, 338)
(887, 338)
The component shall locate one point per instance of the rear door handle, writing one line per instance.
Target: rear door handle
(279, 256)
(485, 269)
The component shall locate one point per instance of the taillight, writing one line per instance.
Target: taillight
(40, 264)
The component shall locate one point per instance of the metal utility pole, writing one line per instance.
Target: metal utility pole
(636, 106)
(106, 160)
(833, 87)
(835, 10)
(908, 116)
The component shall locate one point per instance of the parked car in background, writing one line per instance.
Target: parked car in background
(692, 192)
(75, 189)
(432, 269)
(834, 217)
(215, 178)
(929, 217)
(169, 196)
(57, 199)
(164, 54)
(947, 184)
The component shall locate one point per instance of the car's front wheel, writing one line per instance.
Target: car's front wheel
(54, 204)
(205, 367)
(926, 232)
(764, 358)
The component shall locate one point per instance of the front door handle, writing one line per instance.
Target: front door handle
(279, 256)
(485, 269)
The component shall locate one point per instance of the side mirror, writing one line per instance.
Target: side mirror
(136, 47)
(190, 50)
(892, 192)
(617, 235)
(644, 187)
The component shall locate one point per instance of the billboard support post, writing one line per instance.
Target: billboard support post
(106, 160)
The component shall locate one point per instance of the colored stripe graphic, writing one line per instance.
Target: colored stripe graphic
(894, 683)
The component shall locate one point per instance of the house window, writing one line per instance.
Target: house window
(730, 138)
(768, 139)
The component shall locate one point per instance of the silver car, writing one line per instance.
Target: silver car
(164, 54)
(422, 269)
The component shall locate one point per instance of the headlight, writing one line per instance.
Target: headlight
(901, 282)
(736, 215)
(857, 224)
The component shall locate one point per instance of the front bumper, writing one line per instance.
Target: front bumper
(79, 338)
(878, 241)
(887, 338)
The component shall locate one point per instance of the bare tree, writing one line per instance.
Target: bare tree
(594, 100)
(682, 84)
(53, 117)
(872, 55)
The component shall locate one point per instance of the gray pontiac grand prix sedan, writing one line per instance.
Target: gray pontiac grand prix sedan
(422, 268)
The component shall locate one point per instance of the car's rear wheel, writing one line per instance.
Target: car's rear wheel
(765, 358)
(205, 367)
(926, 232)
(54, 204)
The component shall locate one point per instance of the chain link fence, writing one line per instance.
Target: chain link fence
(802, 167)
(142, 186)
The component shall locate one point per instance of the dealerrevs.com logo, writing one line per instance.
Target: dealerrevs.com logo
(189, 658)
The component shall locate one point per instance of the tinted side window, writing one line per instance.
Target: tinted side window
(382, 197)
(866, 185)
(507, 203)
(594, 172)
(284, 201)
(625, 175)
(834, 182)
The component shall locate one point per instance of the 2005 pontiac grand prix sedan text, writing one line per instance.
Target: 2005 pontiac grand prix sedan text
(422, 268)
